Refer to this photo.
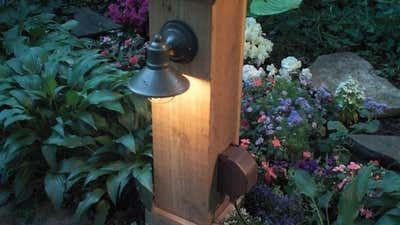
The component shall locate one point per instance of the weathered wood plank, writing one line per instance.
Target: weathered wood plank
(193, 129)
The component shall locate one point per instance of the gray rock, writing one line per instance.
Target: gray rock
(384, 148)
(330, 70)
(92, 23)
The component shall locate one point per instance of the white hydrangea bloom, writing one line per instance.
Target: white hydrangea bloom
(305, 76)
(256, 47)
(250, 73)
(350, 90)
(272, 70)
(290, 64)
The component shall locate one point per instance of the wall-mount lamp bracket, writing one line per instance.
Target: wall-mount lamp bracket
(175, 42)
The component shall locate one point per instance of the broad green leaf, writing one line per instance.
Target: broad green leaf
(305, 183)
(9, 112)
(72, 98)
(101, 212)
(79, 69)
(90, 199)
(54, 184)
(22, 179)
(144, 177)
(70, 24)
(390, 182)
(50, 154)
(115, 166)
(114, 106)
(324, 200)
(16, 118)
(30, 82)
(391, 217)
(71, 141)
(271, 7)
(102, 96)
(71, 164)
(128, 141)
(369, 127)
(116, 183)
(88, 119)
(351, 197)
(94, 174)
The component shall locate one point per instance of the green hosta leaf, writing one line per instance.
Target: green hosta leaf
(351, 198)
(324, 200)
(54, 185)
(70, 24)
(390, 182)
(271, 7)
(22, 189)
(115, 166)
(114, 106)
(33, 59)
(79, 69)
(50, 154)
(88, 119)
(15, 65)
(369, 127)
(9, 113)
(23, 98)
(71, 164)
(305, 183)
(72, 98)
(71, 141)
(144, 177)
(116, 183)
(102, 96)
(391, 217)
(101, 212)
(10, 120)
(94, 174)
(128, 141)
(29, 82)
(90, 199)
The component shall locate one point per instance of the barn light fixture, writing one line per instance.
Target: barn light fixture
(159, 79)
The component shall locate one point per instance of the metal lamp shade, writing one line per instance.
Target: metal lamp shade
(158, 83)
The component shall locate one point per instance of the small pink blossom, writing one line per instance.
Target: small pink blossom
(104, 53)
(245, 124)
(374, 162)
(270, 174)
(127, 42)
(276, 143)
(262, 118)
(307, 154)
(133, 60)
(353, 166)
(339, 168)
(258, 82)
(366, 213)
(244, 143)
(343, 182)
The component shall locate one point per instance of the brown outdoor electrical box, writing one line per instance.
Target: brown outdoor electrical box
(237, 172)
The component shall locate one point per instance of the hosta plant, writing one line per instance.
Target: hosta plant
(68, 122)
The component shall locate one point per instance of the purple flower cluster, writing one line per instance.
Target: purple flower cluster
(285, 105)
(375, 107)
(130, 12)
(272, 208)
(308, 165)
(323, 95)
(294, 118)
(303, 103)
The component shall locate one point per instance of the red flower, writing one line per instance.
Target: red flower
(245, 124)
(133, 60)
(270, 174)
(276, 143)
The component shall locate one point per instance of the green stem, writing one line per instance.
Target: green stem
(315, 206)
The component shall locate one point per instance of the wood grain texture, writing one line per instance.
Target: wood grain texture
(192, 130)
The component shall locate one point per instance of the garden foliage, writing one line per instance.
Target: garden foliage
(68, 122)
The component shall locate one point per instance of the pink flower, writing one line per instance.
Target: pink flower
(339, 168)
(366, 213)
(244, 143)
(343, 182)
(127, 42)
(307, 155)
(258, 82)
(353, 166)
(276, 143)
(270, 174)
(104, 53)
(133, 60)
(262, 118)
(245, 124)
(374, 162)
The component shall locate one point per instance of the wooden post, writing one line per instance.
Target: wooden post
(194, 128)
